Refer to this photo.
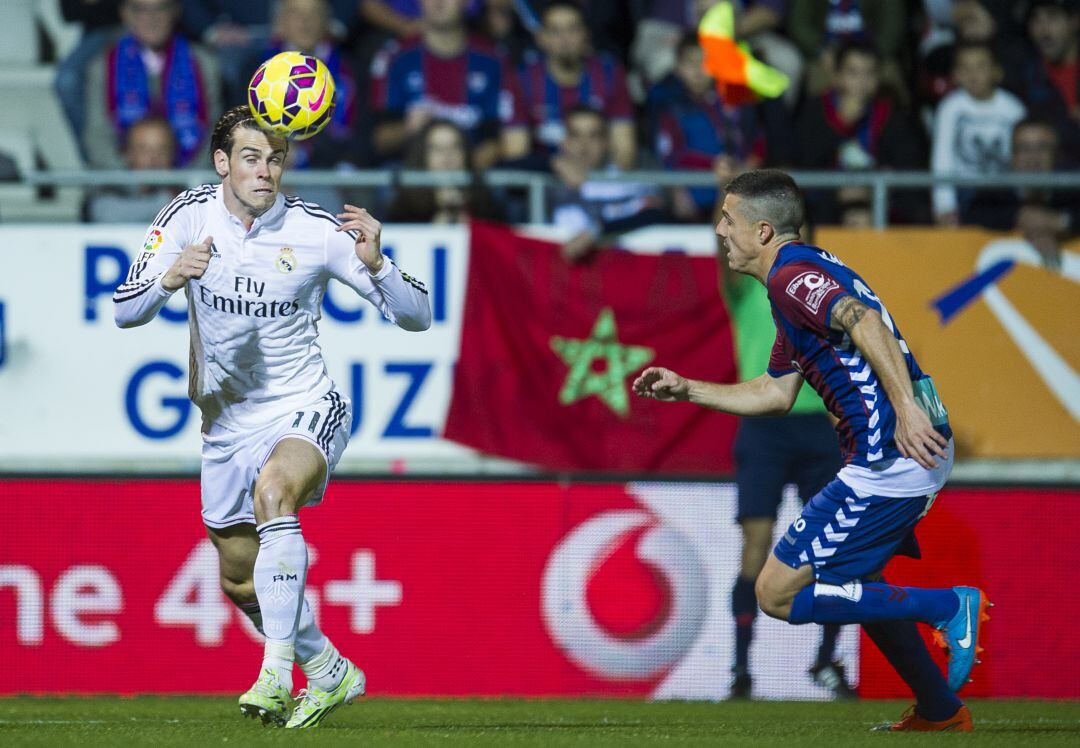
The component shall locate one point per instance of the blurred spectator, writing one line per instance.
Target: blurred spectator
(100, 20)
(1051, 81)
(304, 26)
(447, 74)
(442, 146)
(569, 73)
(972, 127)
(148, 144)
(611, 22)
(971, 22)
(1045, 217)
(696, 129)
(590, 209)
(150, 70)
(501, 22)
(820, 27)
(401, 18)
(234, 30)
(852, 127)
(759, 22)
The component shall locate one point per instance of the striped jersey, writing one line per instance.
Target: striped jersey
(253, 315)
(803, 285)
(602, 87)
(477, 90)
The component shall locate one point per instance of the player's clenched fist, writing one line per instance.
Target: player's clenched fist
(191, 263)
(661, 384)
(367, 239)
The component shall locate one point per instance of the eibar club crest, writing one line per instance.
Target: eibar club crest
(286, 261)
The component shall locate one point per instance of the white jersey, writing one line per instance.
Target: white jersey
(253, 314)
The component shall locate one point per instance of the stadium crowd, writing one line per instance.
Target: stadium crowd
(573, 87)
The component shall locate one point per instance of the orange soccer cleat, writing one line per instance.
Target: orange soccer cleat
(910, 721)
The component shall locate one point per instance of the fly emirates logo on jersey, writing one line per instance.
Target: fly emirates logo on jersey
(247, 299)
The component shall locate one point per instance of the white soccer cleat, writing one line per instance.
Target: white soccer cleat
(313, 704)
(267, 700)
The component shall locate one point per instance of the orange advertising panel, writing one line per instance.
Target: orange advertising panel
(998, 330)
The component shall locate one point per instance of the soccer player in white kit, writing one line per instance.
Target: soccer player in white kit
(254, 265)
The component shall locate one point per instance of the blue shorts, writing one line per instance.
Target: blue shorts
(850, 535)
(770, 453)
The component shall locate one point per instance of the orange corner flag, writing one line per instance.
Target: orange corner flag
(739, 76)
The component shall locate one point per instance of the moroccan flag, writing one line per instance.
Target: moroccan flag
(548, 352)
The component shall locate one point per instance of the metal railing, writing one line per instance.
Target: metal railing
(536, 184)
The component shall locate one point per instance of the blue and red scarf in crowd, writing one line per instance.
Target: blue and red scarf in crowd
(181, 100)
(867, 129)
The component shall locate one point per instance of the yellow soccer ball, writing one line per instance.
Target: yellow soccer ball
(292, 94)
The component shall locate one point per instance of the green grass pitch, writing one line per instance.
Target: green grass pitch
(515, 722)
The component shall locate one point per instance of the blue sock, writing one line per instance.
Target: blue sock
(744, 607)
(869, 602)
(827, 648)
(906, 651)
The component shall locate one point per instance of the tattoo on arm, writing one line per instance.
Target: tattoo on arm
(847, 313)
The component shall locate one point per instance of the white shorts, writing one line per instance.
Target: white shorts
(232, 460)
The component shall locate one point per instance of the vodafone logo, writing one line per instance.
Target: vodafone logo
(624, 596)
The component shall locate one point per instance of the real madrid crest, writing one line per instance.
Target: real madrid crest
(286, 262)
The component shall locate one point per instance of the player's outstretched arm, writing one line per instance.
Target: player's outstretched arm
(915, 435)
(141, 296)
(762, 396)
(401, 298)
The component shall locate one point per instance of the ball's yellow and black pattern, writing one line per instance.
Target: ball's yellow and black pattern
(292, 94)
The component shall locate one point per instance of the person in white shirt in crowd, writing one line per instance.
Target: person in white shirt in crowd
(972, 127)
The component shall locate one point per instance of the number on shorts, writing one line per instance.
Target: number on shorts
(314, 420)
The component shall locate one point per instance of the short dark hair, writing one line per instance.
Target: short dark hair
(564, 5)
(1034, 120)
(856, 47)
(770, 195)
(579, 109)
(155, 120)
(224, 135)
(975, 47)
(1068, 7)
(416, 149)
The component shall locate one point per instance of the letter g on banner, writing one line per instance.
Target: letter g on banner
(180, 405)
(625, 597)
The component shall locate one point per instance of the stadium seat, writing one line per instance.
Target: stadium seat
(43, 125)
(19, 41)
(63, 35)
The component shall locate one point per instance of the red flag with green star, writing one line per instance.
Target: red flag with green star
(548, 352)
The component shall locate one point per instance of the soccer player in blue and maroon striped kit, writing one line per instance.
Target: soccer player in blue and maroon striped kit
(834, 332)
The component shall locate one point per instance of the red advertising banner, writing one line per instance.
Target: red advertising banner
(1015, 544)
(492, 588)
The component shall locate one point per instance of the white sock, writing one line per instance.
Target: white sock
(310, 642)
(278, 657)
(326, 670)
(280, 574)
